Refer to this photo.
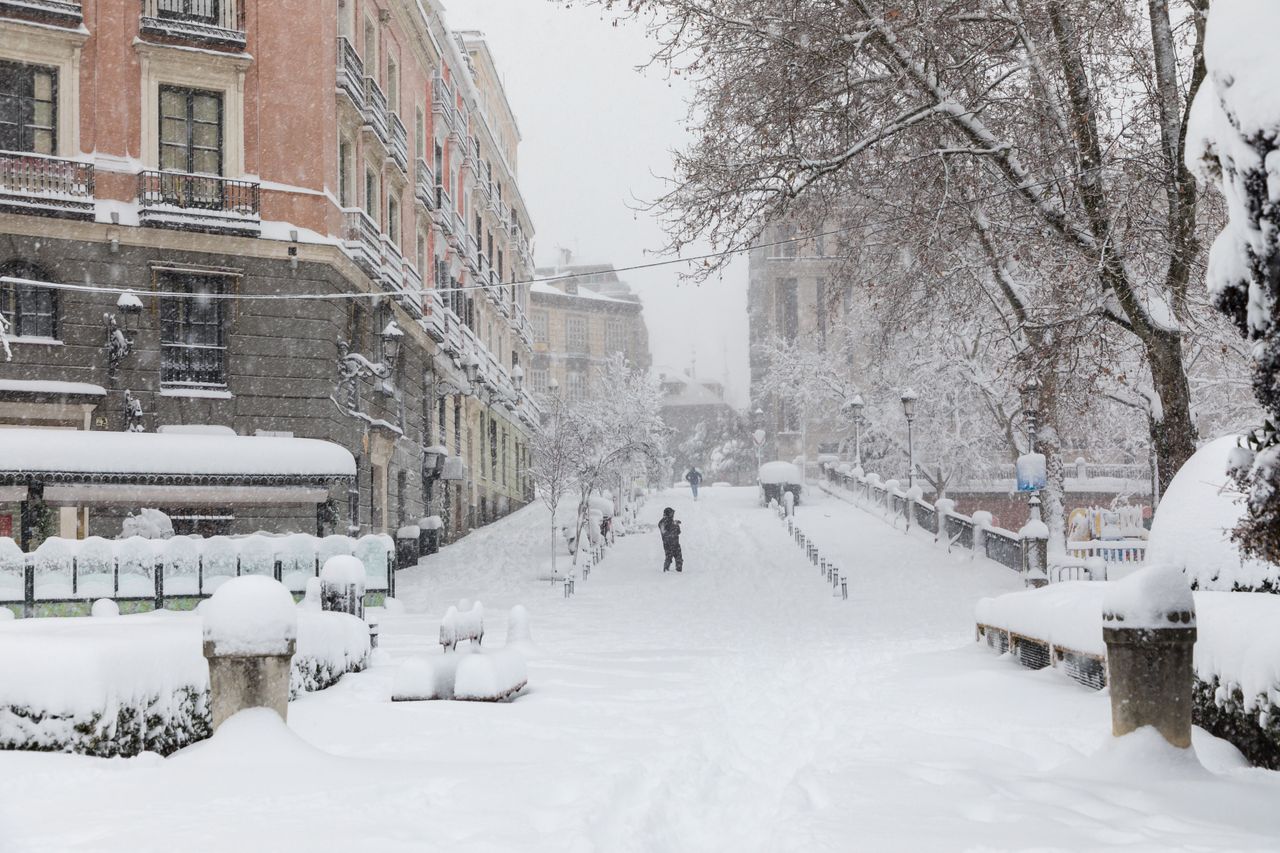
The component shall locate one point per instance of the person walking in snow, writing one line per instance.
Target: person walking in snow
(695, 479)
(670, 530)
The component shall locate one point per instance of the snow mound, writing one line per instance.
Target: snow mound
(1192, 526)
(105, 607)
(251, 738)
(393, 606)
(343, 570)
(1065, 614)
(251, 615)
(779, 472)
(490, 677)
(421, 679)
(311, 599)
(1153, 597)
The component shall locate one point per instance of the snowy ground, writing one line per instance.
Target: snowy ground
(736, 707)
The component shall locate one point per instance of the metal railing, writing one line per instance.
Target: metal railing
(350, 72)
(361, 236)
(399, 146)
(216, 21)
(206, 193)
(1112, 551)
(425, 184)
(442, 101)
(375, 109)
(58, 12)
(50, 181)
(444, 204)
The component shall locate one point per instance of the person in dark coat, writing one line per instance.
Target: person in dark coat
(670, 530)
(695, 479)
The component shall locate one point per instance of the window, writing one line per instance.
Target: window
(539, 380)
(28, 108)
(439, 165)
(493, 449)
(192, 331)
(420, 136)
(370, 46)
(788, 308)
(457, 426)
(30, 311)
(393, 218)
(371, 192)
(190, 131)
(421, 255)
(614, 337)
(345, 156)
(575, 334)
(538, 319)
(577, 385)
(393, 85)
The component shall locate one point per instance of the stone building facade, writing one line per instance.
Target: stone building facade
(266, 219)
(582, 317)
(795, 292)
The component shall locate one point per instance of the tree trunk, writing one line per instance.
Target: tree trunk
(1173, 433)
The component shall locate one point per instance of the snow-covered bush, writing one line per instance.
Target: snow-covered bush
(1192, 527)
(11, 563)
(53, 561)
(257, 556)
(373, 549)
(121, 686)
(95, 567)
(297, 555)
(219, 557)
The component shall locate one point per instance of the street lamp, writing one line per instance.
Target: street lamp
(472, 369)
(392, 337)
(853, 408)
(517, 378)
(909, 409)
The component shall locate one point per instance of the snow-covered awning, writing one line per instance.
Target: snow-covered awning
(77, 456)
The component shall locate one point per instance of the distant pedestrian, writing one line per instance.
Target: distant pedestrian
(695, 479)
(670, 530)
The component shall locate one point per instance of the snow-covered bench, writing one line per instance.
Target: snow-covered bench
(463, 622)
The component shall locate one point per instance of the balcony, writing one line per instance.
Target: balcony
(45, 186)
(375, 109)
(58, 13)
(205, 23)
(434, 320)
(205, 203)
(399, 147)
(413, 298)
(362, 241)
(471, 251)
(442, 102)
(425, 185)
(351, 73)
(462, 123)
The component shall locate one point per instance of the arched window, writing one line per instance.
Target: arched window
(30, 310)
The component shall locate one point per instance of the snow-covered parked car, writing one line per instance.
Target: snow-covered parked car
(776, 478)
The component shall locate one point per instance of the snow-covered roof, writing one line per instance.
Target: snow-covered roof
(136, 454)
(543, 288)
(51, 387)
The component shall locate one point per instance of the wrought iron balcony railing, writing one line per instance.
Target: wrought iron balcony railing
(212, 23)
(399, 145)
(375, 109)
(45, 186)
(59, 13)
(198, 202)
(362, 240)
(350, 73)
(425, 184)
(442, 101)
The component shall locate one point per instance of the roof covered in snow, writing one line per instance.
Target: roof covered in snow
(104, 455)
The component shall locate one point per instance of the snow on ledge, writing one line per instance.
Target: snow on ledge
(47, 386)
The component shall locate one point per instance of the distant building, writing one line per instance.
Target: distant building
(794, 293)
(687, 404)
(581, 317)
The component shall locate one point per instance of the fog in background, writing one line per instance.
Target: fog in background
(597, 136)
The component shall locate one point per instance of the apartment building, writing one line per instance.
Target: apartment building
(582, 316)
(794, 294)
(260, 220)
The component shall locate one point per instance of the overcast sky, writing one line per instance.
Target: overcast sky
(597, 136)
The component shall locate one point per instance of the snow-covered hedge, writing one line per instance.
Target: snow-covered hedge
(71, 569)
(123, 685)
(1192, 527)
(1237, 652)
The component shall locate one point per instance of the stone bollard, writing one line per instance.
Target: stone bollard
(342, 585)
(250, 633)
(1149, 626)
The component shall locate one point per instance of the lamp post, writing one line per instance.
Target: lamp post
(909, 410)
(1031, 413)
(853, 408)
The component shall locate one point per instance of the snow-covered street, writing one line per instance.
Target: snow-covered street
(738, 706)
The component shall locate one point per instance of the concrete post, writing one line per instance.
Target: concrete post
(1035, 561)
(1151, 678)
(240, 681)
